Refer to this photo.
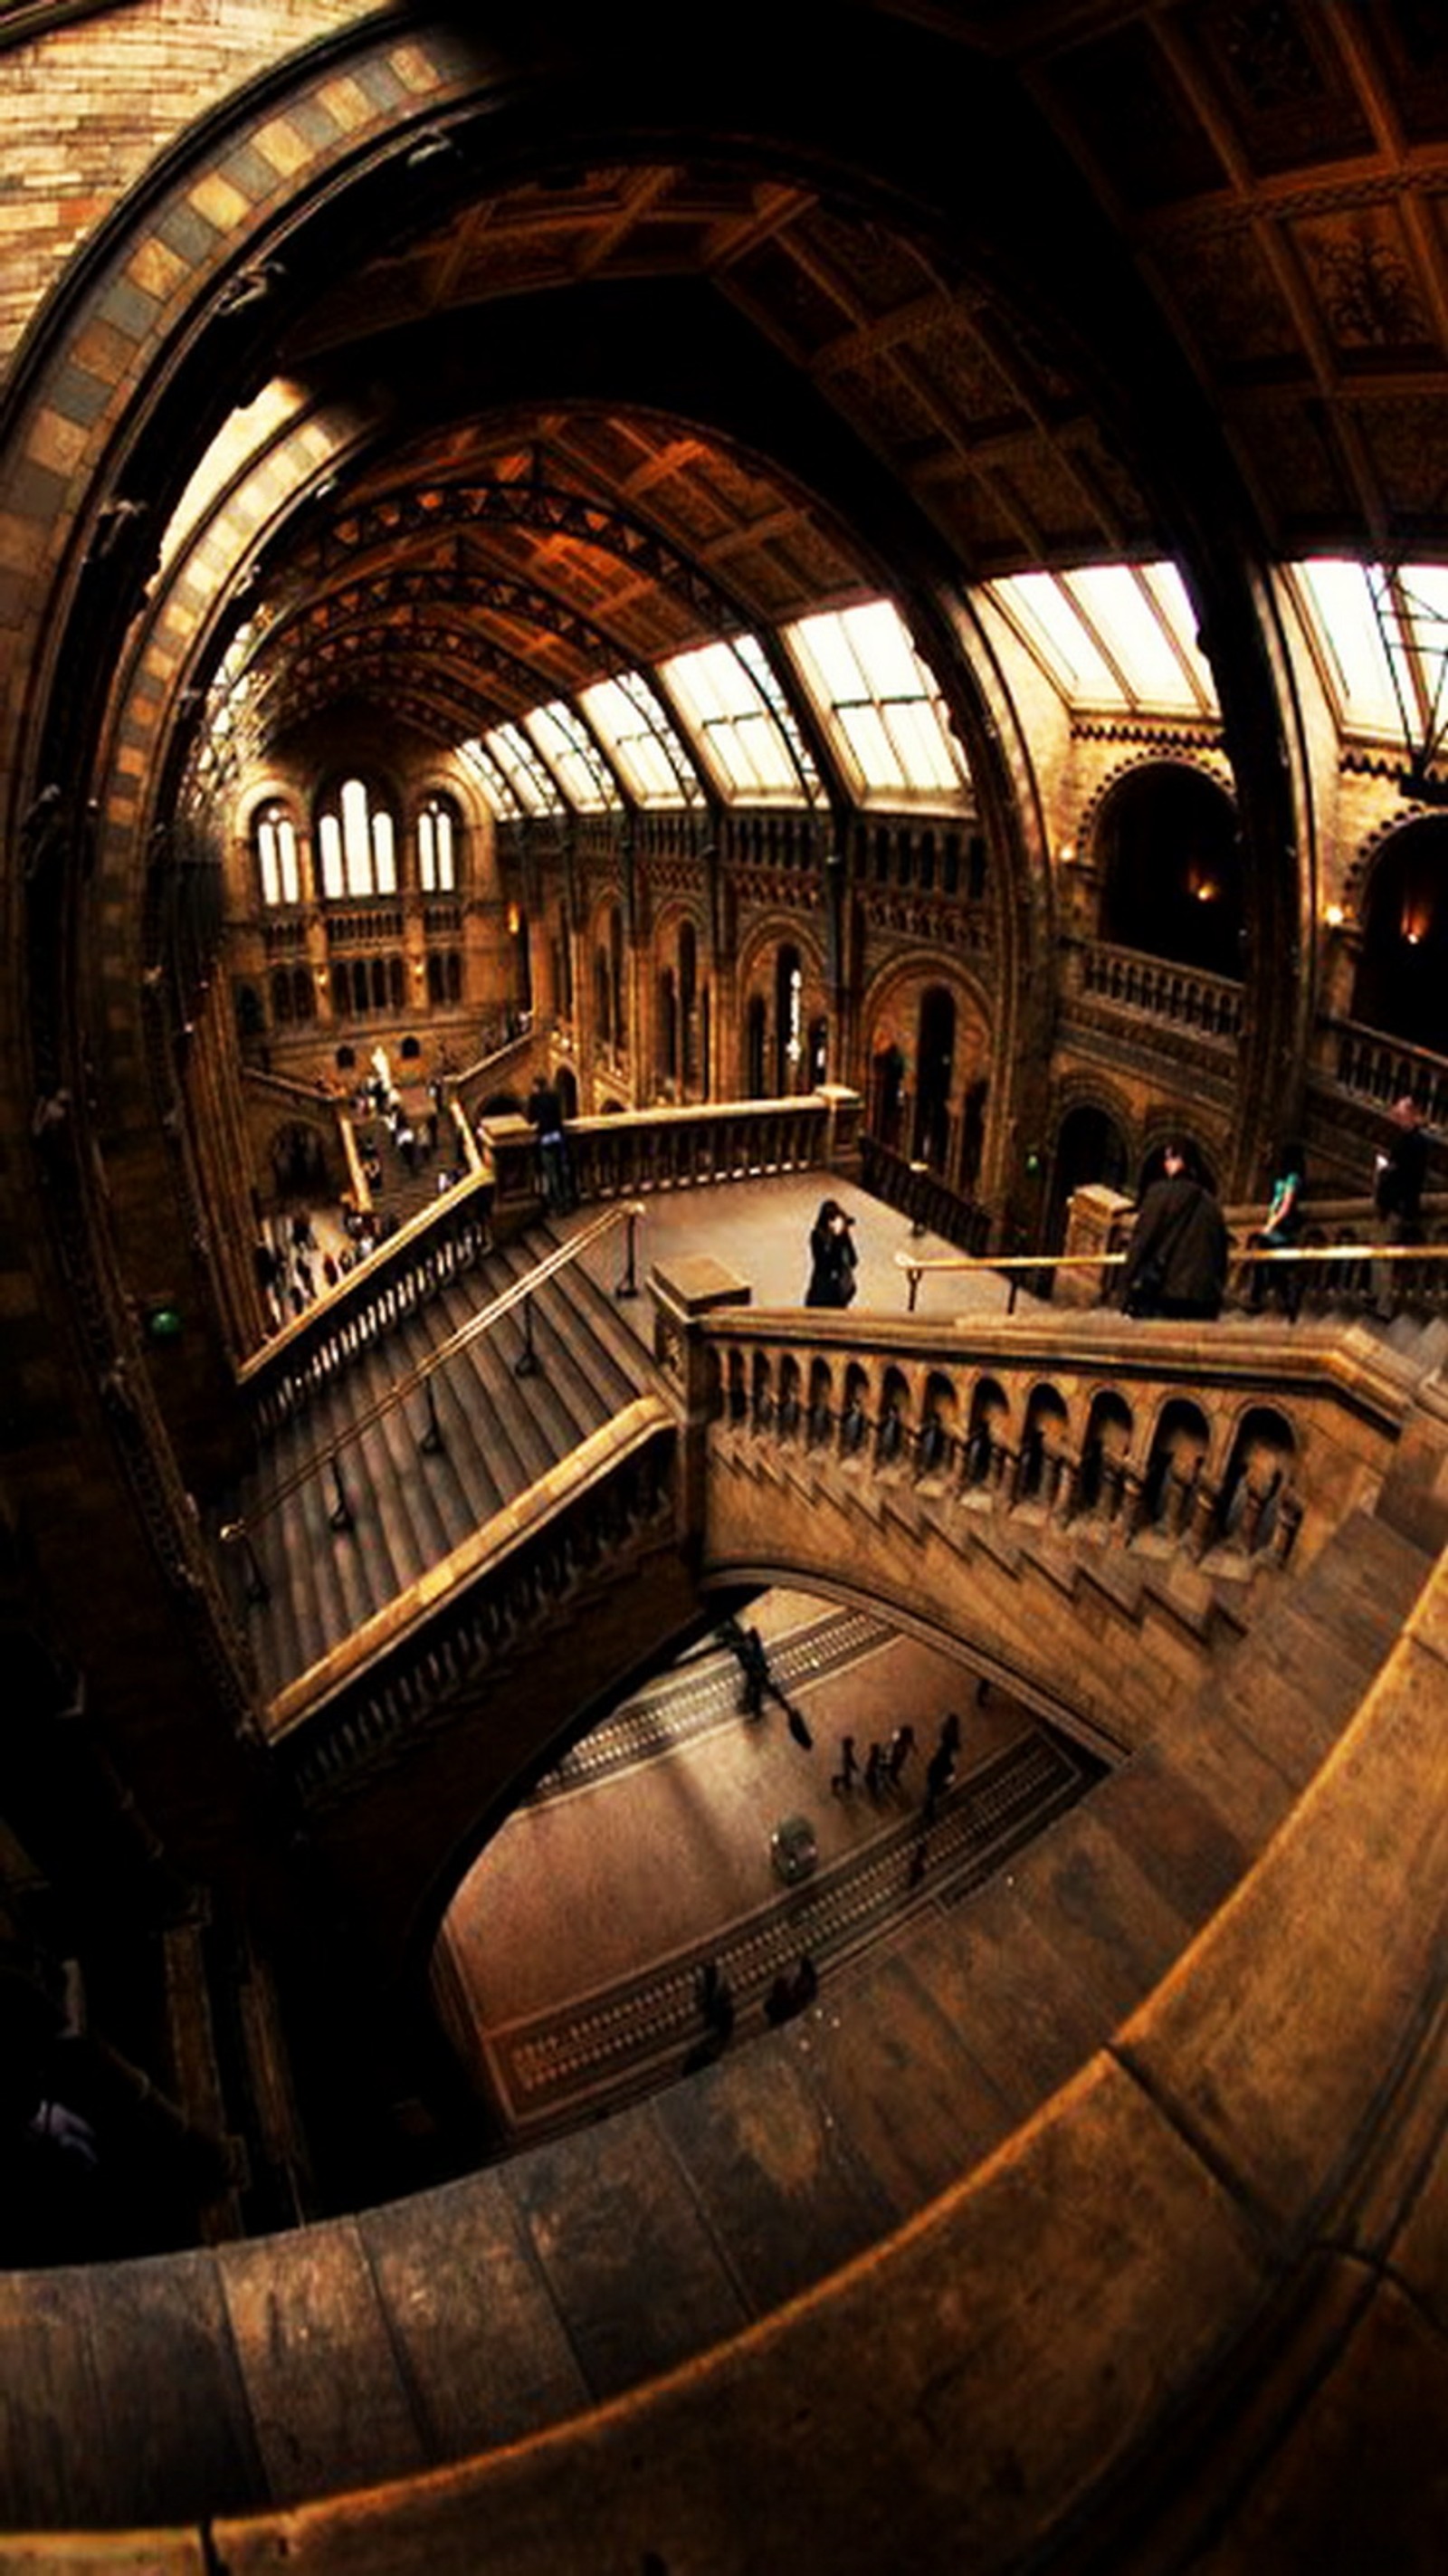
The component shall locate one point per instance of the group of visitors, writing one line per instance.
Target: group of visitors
(1177, 1260)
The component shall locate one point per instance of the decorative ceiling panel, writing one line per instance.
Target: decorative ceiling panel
(1300, 469)
(1365, 286)
(876, 393)
(876, 271)
(1288, 90)
(1222, 284)
(1407, 439)
(798, 311)
(1135, 119)
(950, 361)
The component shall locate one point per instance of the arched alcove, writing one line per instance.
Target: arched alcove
(1166, 845)
(1401, 984)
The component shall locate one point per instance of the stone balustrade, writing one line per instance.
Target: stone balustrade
(1160, 988)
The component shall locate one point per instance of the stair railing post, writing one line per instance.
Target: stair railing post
(432, 1440)
(628, 1286)
(340, 1516)
(526, 1363)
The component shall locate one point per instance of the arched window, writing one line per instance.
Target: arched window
(615, 978)
(688, 1007)
(356, 844)
(756, 1039)
(274, 842)
(438, 836)
(788, 1021)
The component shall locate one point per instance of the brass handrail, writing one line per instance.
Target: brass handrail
(399, 1388)
(1017, 1265)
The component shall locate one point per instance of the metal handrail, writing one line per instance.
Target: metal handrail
(1019, 1265)
(237, 1532)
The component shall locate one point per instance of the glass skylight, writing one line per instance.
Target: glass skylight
(747, 750)
(880, 703)
(574, 757)
(1117, 636)
(630, 720)
(1383, 634)
(531, 781)
(498, 796)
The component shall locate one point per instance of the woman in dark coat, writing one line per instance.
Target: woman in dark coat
(832, 1257)
(1176, 1263)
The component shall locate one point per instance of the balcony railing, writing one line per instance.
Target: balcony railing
(1158, 988)
(924, 1196)
(1378, 1069)
(641, 1151)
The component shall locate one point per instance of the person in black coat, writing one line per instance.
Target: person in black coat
(1176, 1263)
(832, 1257)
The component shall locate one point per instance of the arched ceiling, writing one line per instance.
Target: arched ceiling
(1172, 276)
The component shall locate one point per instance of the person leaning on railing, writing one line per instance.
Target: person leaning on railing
(1282, 1228)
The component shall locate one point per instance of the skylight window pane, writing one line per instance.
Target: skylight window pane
(921, 747)
(1174, 606)
(573, 757)
(840, 677)
(1423, 590)
(498, 796)
(642, 741)
(886, 654)
(1131, 633)
(740, 732)
(1046, 617)
(879, 701)
(533, 785)
(870, 746)
(1340, 600)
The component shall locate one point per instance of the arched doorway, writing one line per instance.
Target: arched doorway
(1089, 1147)
(887, 1096)
(934, 1072)
(1401, 984)
(1166, 843)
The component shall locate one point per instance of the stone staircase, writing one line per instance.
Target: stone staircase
(433, 1430)
(503, 2306)
(1105, 1631)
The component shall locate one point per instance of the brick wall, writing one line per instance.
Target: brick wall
(84, 110)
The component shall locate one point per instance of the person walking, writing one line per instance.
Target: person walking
(939, 1772)
(844, 1777)
(875, 1770)
(898, 1752)
(833, 1258)
(1176, 1262)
